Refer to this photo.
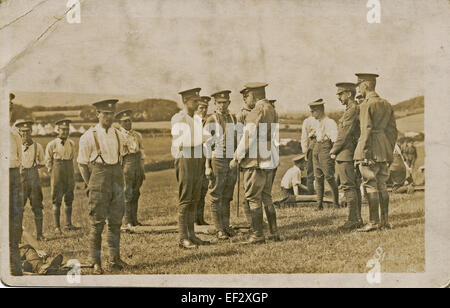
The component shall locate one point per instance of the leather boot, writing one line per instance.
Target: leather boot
(334, 190)
(351, 199)
(128, 213)
(248, 215)
(68, 211)
(216, 211)
(358, 207)
(310, 185)
(320, 186)
(38, 222)
(272, 220)
(374, 218)
(384, 207)
(57, 218)
(95, 243)
(113, 239)
(226, 218)
(257, 223)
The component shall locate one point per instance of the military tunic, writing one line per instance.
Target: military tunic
(221, 128)
(59, 156)
(134, 174)
(103, 150)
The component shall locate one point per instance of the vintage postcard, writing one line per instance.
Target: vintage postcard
(201, 143)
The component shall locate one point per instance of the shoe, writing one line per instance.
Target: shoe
(274, 237)
(71, 228)
(386, 226)
(187, 244)
(221, 235)
(116, 265)
(58, 231)
(349, 225)
(199, 242)
(97, 269)
(369, 227)
(254, 240)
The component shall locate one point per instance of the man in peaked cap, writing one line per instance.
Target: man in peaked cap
(101, 147)
(325, 133)
(15, 194)
(374, 151)
(220, 127)
(343, 151)
(202, 111)
(32, 160)
(59, 155)
(307, 140)
(187, 149)
(133, 161)
(258, 162)
(359, 99)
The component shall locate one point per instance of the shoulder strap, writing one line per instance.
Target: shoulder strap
(118, 145)
(35, 154)
(97, 146)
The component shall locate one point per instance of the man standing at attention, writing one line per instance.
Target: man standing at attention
(343, 151)
(59, 155)
(375, 148)
(102, 147)
(133, 167)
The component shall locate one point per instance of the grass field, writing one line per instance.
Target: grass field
(311, 242)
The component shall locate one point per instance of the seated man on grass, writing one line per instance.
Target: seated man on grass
(293, 183)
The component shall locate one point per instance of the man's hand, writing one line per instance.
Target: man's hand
(233, 163)
(209, 173)
(333, 156)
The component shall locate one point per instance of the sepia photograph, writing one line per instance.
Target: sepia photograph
(201, 143)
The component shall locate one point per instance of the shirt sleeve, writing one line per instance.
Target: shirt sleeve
(297, 177)
(40, 159)
(49, 155)
(304, 137)
(84, 150)
(141, 145)
(249, 139)
(332, 130)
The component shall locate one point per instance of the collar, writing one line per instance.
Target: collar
(26, 144)
(130, 132)
(223, 113)
(371, 94)
(99, 126)
(262, 101)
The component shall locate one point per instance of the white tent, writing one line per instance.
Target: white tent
(72, 129)
(40, 130)
(49, 129)
(34, 130)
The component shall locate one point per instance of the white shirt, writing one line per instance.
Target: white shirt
(15, 156)
(325, 129)
(28, 155)
(307, 131)
(133, 142)
(187, 131)
(108, 146)
(291, 178)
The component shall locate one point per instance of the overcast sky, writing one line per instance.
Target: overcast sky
(146, 48)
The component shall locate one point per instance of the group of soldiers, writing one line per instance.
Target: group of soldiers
(111, 163)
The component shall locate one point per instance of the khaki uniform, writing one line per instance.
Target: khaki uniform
(200, 207)
(344, 148)
(15, 201)
(258, 169)
(32, 160)
(220, 193)
(376, 143)
(134, 174)
(59, 156)
(102, 150)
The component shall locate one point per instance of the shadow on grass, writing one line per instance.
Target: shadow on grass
(413, 222)
(405, 216)
(322, 221)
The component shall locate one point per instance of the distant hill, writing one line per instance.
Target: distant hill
(409, 107)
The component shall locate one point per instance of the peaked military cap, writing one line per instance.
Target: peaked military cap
(317, 102)
(24, 125)
(366, 77)
(255, 85)
(189, 94)
(345, 86)
(272, 101)
(65, 123)
(222, 95)
(11, 96)
(108, 105)
(124, 115)
(299, 157)
(204, 100)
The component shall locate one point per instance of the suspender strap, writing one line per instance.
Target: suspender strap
(97, 146)
(118, 147)
(35, 154)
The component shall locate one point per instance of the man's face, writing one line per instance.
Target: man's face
(105, 118)
(222, 105)
(63, 132)
(362, 88)
(202, 110)
(249, 99)
(343, 97)
(191, 105)
(316, 113)
(26, 135)
(126, 124)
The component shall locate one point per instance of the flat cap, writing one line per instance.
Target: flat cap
(204, 100)
(64, 123)
(24, 125)
(189, 94)
(222, 95)
(124, 115)
(299, 157)
(108, 105)
(366, 77)
(345, 86)
(317, 102)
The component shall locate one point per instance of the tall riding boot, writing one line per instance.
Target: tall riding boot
(57, 217)
(320, 186)
(113, 239)
(374, 216)
(134, 208)
(128, 213)
(384, 207)
(216, 211)
(68, 210)
(272, 220)
(310, 185)
(358, 206)
(334, 190)
(248, 215)
(351, 199)
(38, 222)
(95, 242)
(226, 217)
(257, 224)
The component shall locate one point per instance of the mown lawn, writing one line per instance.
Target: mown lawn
(311, 242)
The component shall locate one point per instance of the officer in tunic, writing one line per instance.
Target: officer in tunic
(202, 111)
(187, 148)
(375, 148)
(221, 127)
(101, 147)
(59, 155)
(325, 134)
(133, 161)
(255, 156)
(15, 194)
(32, 160)
(343, 151)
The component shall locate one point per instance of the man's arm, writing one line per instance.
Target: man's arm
(49, 156)
(366, 129)
(40, 156)
(391, 128)
(345, 133)
(85, 173)
(304, 136)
